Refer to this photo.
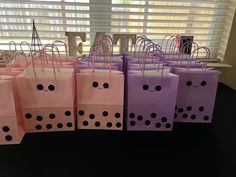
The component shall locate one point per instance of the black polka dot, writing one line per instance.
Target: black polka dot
(193, 117)
(176, 115)
(38, 127)
(39, 118)
(153, 115)
(180, 110)
(158, 125)
(51, 87)
(158, 88)
(91, 116)
(109, 124)
(106, 85)
(39, 87)
(117, 115)
(131, 115)
(67, 113)
(201, 108)
(189, 83)
(140, 118)
(189, 108)
(168, 125)
(132, 123)
(49, 126)
(28, 116)
(8, 138)
(163, 119)
(206, 117)
(85, 123)
(5, 129)
(69, 124)
(105, 113)
(59, 125)
(81, 113)
(147, 122)
(203, 83)
(95, 84)
(145, 87)
(185, 115)
(97, 124)
(118, 124)
(52, 116)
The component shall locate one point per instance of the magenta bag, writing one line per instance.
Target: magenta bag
(47, 97)
(11, 123)
(151, 100)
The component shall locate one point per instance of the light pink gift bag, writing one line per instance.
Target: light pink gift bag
(47, 98)
(11, 123)
(100, 99)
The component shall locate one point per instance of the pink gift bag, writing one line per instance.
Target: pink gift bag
(47, 98)
(11, 123)
(100, 99)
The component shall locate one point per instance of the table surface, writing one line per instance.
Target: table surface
(190, 150)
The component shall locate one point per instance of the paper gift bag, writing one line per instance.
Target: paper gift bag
(47, 98)
(196, 95)
(11, 123)
(151, 100)
(100, 95)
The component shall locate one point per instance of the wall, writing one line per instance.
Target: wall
(229, 74)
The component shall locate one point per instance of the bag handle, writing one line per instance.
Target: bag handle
(24, 42)
(52, 46)
(12, 43)
(110, 42)
(65, 45)
(139, 39)
(17, 54)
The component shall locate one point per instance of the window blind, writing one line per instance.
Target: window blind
(209, 21)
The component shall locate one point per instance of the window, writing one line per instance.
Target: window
(209, 21)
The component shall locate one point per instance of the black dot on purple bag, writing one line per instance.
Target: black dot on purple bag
(38, 127)
(95, 84)
(145, 87)
(81, 112)
(39, 87)
(132, 123)
(153, 115)
(91, 116)
(49, 126)
(206, 118)
(189, 108)
(140, 118)
(28, 116)
(69, 124)
(131, 115)
(158, 88)
(39, 118)
(51, 87)
(189, 83)
(67, 113)
(164, 119)
(118, 124)
(193, 117)
(5, 129)
(201, 108)
(158, 125)
(185, 115)
(105, 113)
(97, 124)
(109, 124)
(106, 85)
(52, 116)
(168, 125)
(59, 125)
(180, 110)
(147, 122)
(117, 115)
(85, 123)
(8, 138)
(203, 83)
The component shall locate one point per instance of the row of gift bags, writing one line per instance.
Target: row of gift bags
(50, 92)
